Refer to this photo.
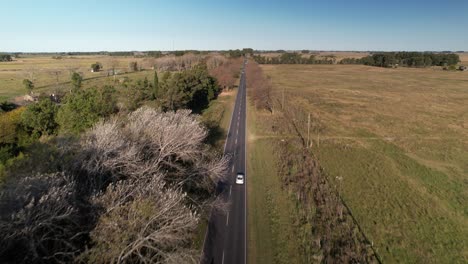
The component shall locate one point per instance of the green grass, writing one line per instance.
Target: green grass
(398, 140)
(271, 212)
(382, 182)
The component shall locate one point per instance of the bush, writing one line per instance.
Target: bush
(39, 118)
(9, 126)
(82, 109)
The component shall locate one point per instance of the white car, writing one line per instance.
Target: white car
(240, 178)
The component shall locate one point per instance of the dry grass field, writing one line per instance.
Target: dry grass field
(398, 140)
(463, 58)
(339, 55)
(46, 71)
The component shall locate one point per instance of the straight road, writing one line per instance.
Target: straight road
(225, 240)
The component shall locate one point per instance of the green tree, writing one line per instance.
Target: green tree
(133, 66)
(82, 109)
(39, 119)
(155, 86)
(76, 81)
(96, 67)
(193, 89)
(28, 85)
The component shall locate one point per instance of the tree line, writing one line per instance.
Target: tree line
(5, 57)
(409, 59)
(293, 58)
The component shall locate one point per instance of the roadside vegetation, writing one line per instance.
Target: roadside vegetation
(383, 160)
(73, 166)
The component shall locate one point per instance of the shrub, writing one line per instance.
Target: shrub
(39, 119)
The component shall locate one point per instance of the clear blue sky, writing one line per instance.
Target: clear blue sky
(95, 25)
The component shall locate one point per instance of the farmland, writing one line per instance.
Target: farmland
(394, 143)
(46, 72)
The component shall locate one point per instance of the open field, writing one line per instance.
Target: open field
(272, 231)
(339, 55)
(398, 139)
(47, 71)
(463, 58)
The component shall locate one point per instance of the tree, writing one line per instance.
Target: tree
(128, 191)
(96, 67)
(161, 171)
(193, 89)
(76, 81)
(39, 118)
(82, 109)
(9, 124)
(155, 86)
(5, 57)
(133, 66)
(260, 87)
(28, 85)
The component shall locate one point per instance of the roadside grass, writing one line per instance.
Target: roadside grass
(397, 139)
(272, 232)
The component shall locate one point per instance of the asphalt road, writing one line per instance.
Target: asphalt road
(225, 240)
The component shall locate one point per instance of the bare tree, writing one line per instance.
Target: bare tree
(39, 220)
(144, 222)
(137, 188)
(259, 86)
(151, 142)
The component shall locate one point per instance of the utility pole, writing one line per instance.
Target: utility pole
(308, 131)
(282, 101)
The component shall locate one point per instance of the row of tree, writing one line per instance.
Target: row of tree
(260, 87)
(293, 58)
(5, 57)
(409, 59)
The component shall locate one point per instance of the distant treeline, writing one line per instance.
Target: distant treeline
(409, 59)
(5, 57)
(294, 58)
(152, 53)
(384, 59)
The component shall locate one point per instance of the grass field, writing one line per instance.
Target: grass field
(398, 139)
(272, 231)
(45, 70)
(463, 58)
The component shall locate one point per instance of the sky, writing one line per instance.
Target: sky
(361, 25)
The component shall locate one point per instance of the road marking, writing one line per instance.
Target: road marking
(223, 258)
(227, 219)
(232, 168)
(236, 141)
(230, 190)
(224, 153)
